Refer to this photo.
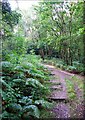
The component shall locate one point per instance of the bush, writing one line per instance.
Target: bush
(22, 85)
(6, 66)
(79, 66)
(71, 68)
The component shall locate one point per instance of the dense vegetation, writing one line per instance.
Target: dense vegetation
(23, 76)
(59, 33)
(23, 88)
(54, 35)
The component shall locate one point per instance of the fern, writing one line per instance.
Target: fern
(6, 66)
(27, 65)
(31, 110)
(5, 85)
(10, 116)
(33, 82)
(18, 81)
(70, 68)
(43, 103)
(37, 71)
(25, 101)
(19, 68)
(14, 108)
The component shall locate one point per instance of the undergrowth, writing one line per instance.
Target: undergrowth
(76, 67)
(23, 88)
(70, 89)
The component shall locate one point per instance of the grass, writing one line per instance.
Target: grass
(70, 86)
(47, 113)
(70, 89)
(78, 81)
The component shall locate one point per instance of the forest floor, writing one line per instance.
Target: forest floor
(67, 93)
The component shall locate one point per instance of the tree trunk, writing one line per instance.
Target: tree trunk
(41, 53)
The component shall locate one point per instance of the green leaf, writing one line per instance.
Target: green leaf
(14, 107)
(10, 116)
(32, 110)
(25, 100)
(19, 68)
(43, 103)
(27, 65)
(18, 81)
(6, 66)
(34, 83)
(6, 85)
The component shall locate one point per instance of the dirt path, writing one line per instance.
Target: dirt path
(64, 107)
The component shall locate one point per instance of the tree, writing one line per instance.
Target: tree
(58, 25)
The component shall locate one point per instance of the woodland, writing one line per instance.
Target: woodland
(52, 35)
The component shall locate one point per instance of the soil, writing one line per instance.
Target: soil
(64, 106)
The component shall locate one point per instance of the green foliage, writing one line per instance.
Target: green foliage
(10, 17)
(6, 66)
(71, 68)
(19, 69)
(70, 89)
(6, 116)
(14, 108)
(58, 31)
(27, 65)
(31, 110)
(54, 33)
(43, 103)
(79, 82)
(22, 86)
(77, 67)
(34, 83)
(26, 101)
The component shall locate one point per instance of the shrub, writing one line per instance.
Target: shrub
(30, 111)
(79, 66)
(7, 66)
(22, 85)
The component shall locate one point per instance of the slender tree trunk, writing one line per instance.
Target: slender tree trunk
(70, 32)
(41, 53)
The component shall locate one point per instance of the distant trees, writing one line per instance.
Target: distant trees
(9, 18)
(58, 26)
(11, 43)
(54, 30)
